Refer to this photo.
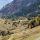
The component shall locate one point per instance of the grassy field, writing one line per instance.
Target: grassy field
(29, 34)
(19, 31)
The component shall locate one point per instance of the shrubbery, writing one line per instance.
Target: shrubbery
(34, 22)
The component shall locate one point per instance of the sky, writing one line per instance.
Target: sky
(4, 2)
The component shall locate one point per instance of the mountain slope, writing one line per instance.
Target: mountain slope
(21, 7)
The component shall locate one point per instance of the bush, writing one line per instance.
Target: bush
(34, 22)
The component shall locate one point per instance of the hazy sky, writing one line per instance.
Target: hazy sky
(4, 2)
